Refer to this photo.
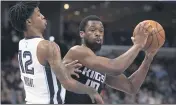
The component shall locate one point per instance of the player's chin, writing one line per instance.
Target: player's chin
(98, 45)
(44, 26)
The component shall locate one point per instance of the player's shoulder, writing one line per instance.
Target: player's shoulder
(80, 50)
(43, 44)
(76, 48)
(46, 44)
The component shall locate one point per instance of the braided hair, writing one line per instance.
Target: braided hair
(20, 12)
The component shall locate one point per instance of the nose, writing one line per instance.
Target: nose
(43, 17)
(97, 34)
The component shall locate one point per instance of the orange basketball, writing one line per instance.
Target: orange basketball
(155, 40)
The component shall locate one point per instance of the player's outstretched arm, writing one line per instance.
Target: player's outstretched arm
(132, 84)
(62, 73)
(110, 66)
(102, 64)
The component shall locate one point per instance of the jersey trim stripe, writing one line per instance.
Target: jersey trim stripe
(59, 100)
(31, 37)
(50, 82)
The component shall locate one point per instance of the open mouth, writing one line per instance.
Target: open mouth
(98, 40)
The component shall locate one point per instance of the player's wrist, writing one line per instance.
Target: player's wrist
(138, 46)
(148, 58)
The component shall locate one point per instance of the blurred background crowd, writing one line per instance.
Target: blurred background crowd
(119, 19)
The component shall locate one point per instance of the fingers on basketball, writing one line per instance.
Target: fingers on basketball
(156, 37)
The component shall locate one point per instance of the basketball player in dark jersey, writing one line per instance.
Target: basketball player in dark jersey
(26, 17)
(98, 70)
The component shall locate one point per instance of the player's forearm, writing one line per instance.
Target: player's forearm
(70, 84)
(125, 60)
(137, 78)
(76, 87)
(120, 82)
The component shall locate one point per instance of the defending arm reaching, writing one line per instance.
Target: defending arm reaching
(132, 84)
(51, 53)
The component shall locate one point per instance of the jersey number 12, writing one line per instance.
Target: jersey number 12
(25, 68)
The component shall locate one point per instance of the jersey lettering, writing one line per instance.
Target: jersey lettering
(93, 74)
(93, 84)
(26, 70)
(95, 78)
(28, 81)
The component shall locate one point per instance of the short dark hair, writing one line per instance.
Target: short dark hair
(86, 19)
(20, 12)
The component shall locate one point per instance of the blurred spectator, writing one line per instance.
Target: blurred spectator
(155, 89)
(11, 84)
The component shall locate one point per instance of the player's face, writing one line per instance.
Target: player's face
(37, 20)
(94, 33)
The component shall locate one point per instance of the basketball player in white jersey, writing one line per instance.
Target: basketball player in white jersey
(40, 60)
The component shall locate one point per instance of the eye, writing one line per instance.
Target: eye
(92, 30)
(101, 30)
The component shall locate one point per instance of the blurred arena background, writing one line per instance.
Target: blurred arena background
(119, 19)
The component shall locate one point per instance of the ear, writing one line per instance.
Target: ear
(28, 22)
(82, 34)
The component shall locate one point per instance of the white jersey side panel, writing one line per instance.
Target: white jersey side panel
(40, 83)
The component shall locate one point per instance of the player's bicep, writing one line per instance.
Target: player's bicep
(97, 63)
(100, 64)
(54, 56)
(54, 59)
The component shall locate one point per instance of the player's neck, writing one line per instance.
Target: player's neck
(85, 45)
(88, 47)
(33, 33)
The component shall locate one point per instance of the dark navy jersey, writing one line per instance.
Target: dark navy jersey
(90, 78)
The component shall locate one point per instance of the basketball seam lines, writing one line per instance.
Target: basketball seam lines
(152, 34)
(156, 35)
(159, 31)
(149, 35)
(157, 39)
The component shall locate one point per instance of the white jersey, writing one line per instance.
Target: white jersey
(40, 83)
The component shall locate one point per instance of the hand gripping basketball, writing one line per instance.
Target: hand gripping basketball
(141, 34)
